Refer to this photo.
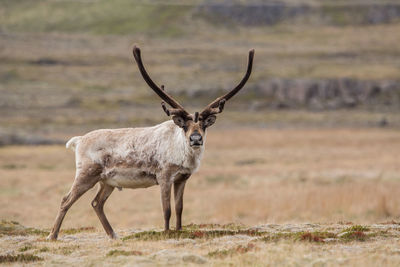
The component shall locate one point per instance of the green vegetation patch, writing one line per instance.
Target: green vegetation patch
(315, 236)
(72, 231)
(117, 252)
(98, 17)
(356, 228)
(26, 248)
(231, 252)
(197, 231)
(382, 233)
(43, 249)
(15, 228)
(19, 258)
(12, 166)
(67, 250)
(355, 233)
(354, 236)
(230, 226)
(300, 236)
(191, 234)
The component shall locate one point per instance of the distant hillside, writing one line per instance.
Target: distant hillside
(315, 94)
(161, 19)
(325, 13)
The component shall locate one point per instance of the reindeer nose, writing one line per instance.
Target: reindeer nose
(196, 139)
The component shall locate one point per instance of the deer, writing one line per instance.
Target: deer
(166, 154)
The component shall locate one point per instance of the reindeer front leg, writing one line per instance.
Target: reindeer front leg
(179, 187)
(165, 187)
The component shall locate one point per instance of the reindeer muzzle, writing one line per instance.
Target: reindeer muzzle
(196, 140)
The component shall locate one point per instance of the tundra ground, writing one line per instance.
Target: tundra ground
(211, 244)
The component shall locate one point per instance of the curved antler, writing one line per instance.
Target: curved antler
(177, 108)
(217, 105)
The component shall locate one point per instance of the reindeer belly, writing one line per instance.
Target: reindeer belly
(129, 178)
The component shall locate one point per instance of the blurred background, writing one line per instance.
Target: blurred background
(313, 136)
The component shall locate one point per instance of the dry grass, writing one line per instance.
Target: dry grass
(292, 175)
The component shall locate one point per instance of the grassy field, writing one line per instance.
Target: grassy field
(281, 188)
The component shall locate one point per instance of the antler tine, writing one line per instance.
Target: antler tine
(217, 105)
(211, 111)
(171, 111)
(160, 92)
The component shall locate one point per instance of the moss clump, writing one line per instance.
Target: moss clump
(19, 258)
(117, 252)
(357, 228)
(15, 228)
(191, 234)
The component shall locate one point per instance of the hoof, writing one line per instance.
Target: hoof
(113, 236)
(51, 237)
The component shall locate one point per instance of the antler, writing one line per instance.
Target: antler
(177, 109)
(172, 111)
(217, 106)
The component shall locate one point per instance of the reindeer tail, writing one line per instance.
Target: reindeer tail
(73, 142)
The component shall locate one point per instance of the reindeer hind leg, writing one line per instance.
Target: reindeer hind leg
(82, 183)
(98, 206)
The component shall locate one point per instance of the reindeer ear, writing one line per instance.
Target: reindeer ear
(178, 120)
(210, 120)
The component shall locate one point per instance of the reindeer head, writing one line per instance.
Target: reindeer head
(194, 125)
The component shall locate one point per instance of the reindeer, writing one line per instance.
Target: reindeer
(166, 154)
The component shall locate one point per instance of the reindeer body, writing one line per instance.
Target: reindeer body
(132, 157)
(165, 154)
